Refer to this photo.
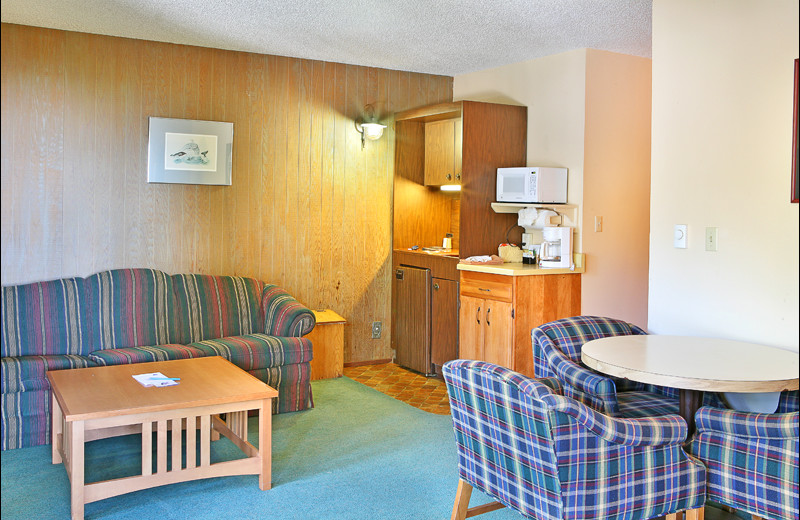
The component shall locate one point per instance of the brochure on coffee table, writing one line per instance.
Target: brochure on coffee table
(156, 379)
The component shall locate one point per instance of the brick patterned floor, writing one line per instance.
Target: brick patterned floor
(425, 393)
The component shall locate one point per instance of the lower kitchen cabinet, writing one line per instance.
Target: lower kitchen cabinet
(444, 320)
(424, 310)
(497, 313)
(486, 330)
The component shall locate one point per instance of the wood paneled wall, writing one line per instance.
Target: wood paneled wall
(308, 208)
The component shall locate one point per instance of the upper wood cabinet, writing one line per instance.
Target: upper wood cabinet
(443, 152)
(469, 138)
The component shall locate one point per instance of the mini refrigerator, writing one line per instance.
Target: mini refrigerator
(411, 318)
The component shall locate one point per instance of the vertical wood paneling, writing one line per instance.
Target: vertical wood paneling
(308, 208)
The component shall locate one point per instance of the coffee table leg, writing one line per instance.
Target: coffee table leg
(265, 444)
(690, 402)
(75, 461)
(56, 431)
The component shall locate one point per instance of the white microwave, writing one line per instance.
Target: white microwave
(532, 184)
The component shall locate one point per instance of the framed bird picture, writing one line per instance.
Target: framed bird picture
(186, 151)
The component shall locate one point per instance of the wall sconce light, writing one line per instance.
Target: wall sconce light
(369, 128)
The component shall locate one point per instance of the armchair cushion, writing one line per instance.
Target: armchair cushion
(549, 456)
(752, 458)
(557, 351)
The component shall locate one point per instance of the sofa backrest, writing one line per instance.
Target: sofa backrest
(130, 308)
(44, 318)
(210, 307)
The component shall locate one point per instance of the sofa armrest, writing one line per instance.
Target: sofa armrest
(284, 315)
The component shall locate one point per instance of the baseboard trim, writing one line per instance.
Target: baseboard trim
(371, 362)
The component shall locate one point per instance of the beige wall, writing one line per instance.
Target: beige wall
(589, 111)
(308, 208)
(616, 185)
(721, 157)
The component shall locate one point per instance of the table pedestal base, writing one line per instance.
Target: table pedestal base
(690, 402)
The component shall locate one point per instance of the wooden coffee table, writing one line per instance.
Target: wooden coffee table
(95, 403)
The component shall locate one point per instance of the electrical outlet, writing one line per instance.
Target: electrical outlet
(377, 328)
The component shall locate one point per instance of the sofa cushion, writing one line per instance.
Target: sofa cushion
(128, 355)
(28, 373)
(216, 306)
(130, 308)
(25, 419)
(44, 318)
(254, 351)
(291, 382)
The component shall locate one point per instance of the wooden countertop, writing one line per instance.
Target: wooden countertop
(520, 269)
(442, 265)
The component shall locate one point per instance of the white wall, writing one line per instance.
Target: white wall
(553, 89)
(721, 157)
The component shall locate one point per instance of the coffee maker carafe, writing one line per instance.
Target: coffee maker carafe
(556, 249)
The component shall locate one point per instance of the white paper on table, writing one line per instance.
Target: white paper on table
(154, 379)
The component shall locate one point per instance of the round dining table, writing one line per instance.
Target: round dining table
(694, 365)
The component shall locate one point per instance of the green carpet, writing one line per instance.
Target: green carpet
(358, 455)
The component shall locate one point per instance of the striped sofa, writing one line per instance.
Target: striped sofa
(140, 315)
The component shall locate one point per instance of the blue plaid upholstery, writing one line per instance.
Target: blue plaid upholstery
(550, 456)
(752, 458)
(557, 353)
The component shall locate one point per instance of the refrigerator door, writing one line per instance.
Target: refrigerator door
(411, 318)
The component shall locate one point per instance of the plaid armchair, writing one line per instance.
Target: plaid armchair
(752, 458)
(548, 456)
(557, 353)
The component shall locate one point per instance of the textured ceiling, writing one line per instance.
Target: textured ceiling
(447, 37)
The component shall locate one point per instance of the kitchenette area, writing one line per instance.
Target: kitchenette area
(445, 211)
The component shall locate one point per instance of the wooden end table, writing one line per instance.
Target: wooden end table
(101, 402)
(327, 339)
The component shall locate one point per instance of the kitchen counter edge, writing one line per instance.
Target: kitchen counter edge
(520, 269)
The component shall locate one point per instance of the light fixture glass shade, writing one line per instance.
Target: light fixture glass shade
(372, 131)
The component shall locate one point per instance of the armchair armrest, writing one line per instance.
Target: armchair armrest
(664, 430)
(284, 315)
(592, 387)
(748, 424)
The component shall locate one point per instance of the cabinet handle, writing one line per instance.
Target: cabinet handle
(482, 289)
(436, 287)
(458, 176)
(478, 316)
(449, 176)
(487, 316)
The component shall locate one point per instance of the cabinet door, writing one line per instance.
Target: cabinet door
(440, 153)
(411, 318)
(458, 131)
(444, 321)
(470, 330)
(498, 333)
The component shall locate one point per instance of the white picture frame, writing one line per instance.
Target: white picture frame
(187, 151)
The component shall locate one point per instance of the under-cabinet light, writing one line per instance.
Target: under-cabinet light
(450, 187)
